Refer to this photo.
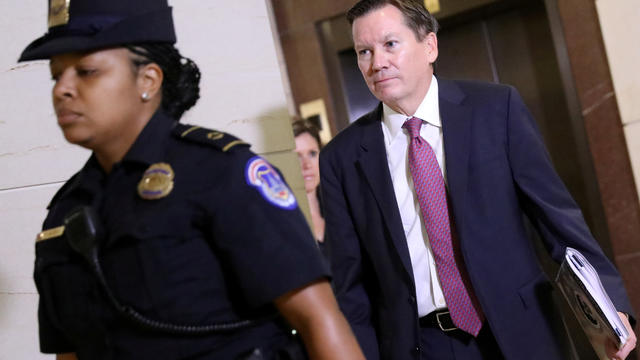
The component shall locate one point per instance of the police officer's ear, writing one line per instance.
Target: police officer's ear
(150, 82)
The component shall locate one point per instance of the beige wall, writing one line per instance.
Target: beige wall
(242, 93)
(620, 23)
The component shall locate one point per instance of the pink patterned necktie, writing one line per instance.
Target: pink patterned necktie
(432, 196)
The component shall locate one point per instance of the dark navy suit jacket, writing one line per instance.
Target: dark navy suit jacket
(497, 170)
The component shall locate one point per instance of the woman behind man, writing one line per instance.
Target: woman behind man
(172, 241)
(308, 146)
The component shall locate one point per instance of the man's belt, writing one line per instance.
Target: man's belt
(438, 319)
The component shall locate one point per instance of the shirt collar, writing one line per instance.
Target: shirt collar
(150, 145)
(428, 110)
(88, 178)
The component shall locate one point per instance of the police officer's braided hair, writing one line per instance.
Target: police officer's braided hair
(181, 84)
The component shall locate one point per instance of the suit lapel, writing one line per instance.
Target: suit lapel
(372, 161)
(456, 126)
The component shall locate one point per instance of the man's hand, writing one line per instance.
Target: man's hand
(620, 354)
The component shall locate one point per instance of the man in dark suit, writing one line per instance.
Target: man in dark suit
(458, 279)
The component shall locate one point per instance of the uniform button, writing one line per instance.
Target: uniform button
(417, 349)
(412, 299)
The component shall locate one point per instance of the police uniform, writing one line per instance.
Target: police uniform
(191, 230)
(215, 237)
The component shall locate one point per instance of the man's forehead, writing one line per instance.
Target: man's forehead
(380, 22)
(387, 12)
(364, 38)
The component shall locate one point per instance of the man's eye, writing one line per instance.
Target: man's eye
(391, 43)
(363, 52)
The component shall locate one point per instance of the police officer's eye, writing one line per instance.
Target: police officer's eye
(55, 73)
(313, 153)
(86, 71)
(391, 43)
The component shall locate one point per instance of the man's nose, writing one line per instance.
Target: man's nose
(379, 60)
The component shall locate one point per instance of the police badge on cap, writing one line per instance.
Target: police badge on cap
(58, 12)
(86, 25)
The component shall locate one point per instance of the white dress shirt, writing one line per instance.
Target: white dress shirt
(429, 295)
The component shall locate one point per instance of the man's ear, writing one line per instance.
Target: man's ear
(150, 78)
(431, 46)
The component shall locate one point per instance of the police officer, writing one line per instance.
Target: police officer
(173, 241)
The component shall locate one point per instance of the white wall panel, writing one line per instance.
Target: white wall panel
(242, 90)
(18, 332)
(21, 214)
(620, 23)
(632, 133)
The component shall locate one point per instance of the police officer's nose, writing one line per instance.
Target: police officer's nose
(64, 86)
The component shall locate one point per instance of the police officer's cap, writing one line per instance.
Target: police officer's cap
(86, 25)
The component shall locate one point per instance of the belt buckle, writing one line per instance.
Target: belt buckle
(440, 322)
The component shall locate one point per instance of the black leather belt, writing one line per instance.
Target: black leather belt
(438, 319)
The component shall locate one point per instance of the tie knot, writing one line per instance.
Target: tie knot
(413, 126)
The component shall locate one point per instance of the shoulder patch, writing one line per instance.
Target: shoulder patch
(217, 139)
(260, 174)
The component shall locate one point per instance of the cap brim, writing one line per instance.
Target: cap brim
(44, 48)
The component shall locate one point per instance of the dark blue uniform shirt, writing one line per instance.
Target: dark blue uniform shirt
(220, 246)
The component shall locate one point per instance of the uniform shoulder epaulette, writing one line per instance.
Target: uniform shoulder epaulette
(71, 183)
(218, 139)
